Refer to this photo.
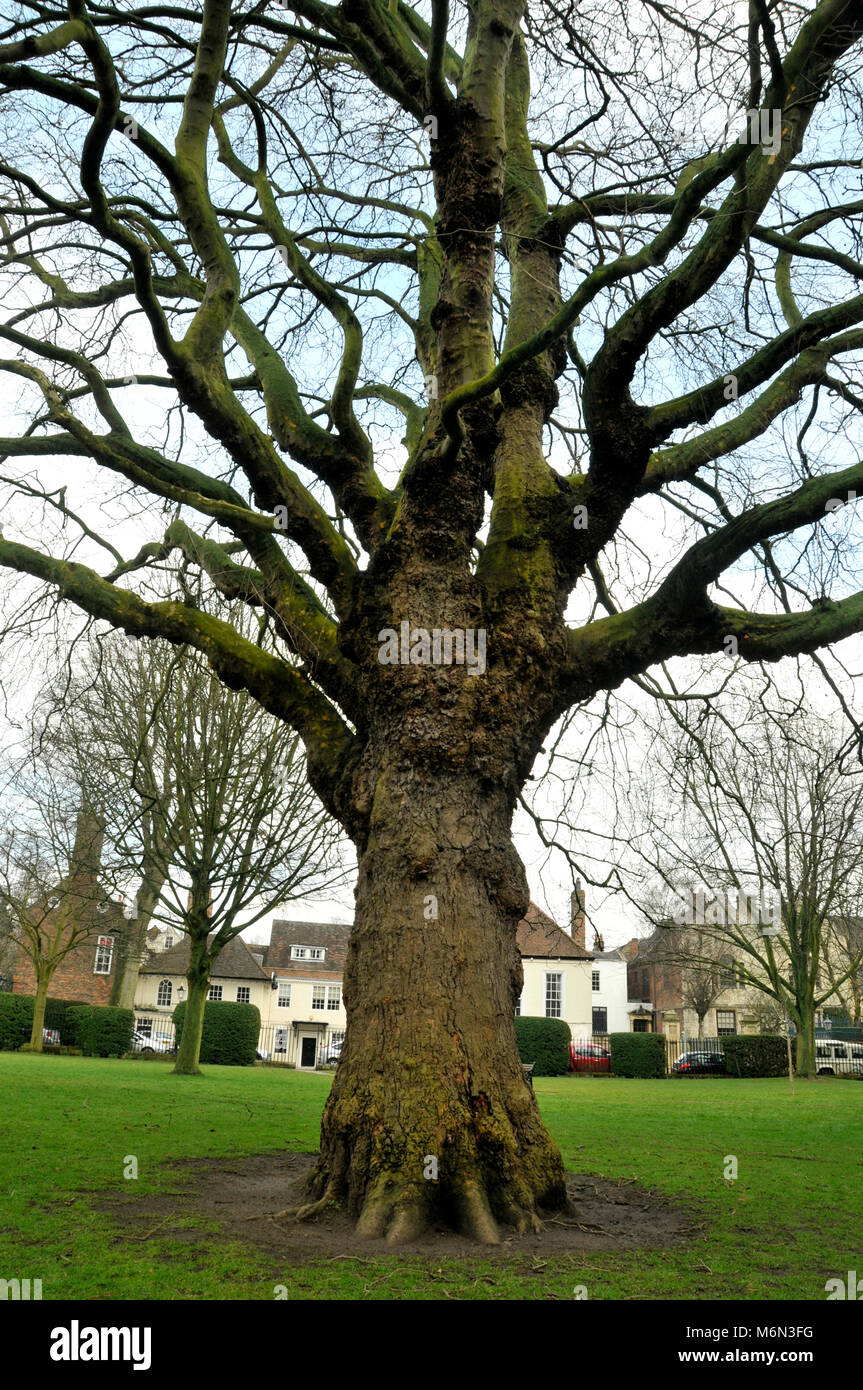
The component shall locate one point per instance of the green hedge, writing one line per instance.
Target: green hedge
(545, 1043)
(16, 1018)
(638, 1054)
(230, 1033)
(100, 1030)
(756, 1055)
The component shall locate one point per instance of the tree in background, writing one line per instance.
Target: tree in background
(485, 351)
(205, 800)
(51, 893)
(758, 813)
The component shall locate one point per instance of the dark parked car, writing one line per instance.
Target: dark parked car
(589, 1057)
(703, 1063)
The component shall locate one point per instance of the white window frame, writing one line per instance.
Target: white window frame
(308, 953)
(246, 992)
(334, 997)
(594, 981)
(214, 994)
(105, 945)
(162, 1003)
(284, 989)
(559, 975)
(319, 998)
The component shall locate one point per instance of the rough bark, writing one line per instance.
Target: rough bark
(198, 978)
(43, 980)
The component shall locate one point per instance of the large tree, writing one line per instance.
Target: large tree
(440, 301)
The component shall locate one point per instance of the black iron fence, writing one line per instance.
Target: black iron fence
(704, 1056)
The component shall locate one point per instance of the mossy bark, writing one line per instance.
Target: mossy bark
(198, 979)
(43, 980)
(430, 1118)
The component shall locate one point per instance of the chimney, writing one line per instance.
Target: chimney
(577, 920)
(89, 839)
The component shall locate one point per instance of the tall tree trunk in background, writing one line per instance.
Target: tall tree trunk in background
(43, 980)
(198, 978)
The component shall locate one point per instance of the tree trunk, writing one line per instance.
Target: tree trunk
(430, 1116)
(805, 1047)
(198, 978)
(39, 1003)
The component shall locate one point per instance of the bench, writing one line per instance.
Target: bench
(527, 1068)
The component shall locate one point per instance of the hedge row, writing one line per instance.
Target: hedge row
(100, 1030)
(545, 1043)
(16, 1018)
(755, 1055)
(638, 1054)
(230, 1033)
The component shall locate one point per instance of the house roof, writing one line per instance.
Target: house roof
(539, 936)
(234, 962)
(333, 936)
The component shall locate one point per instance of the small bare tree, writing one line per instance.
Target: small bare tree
(207, 804)
(49, 885)
(763, 806)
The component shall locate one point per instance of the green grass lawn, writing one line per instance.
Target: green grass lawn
(791, 1220)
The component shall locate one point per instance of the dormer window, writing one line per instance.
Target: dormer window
(308, 953)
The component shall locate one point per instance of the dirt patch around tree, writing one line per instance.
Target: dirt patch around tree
(244, 1195)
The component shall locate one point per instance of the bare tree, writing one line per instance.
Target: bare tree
(479, 356)
(758, 831)
(205, 800)
(51, 891)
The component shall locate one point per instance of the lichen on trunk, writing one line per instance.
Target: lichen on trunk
(430, 1118)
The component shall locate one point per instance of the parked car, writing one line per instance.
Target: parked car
(589, 1057)
(262, 1055)
(703, 1063)
(835, 1058)
(151, 1043)
(334, 1051)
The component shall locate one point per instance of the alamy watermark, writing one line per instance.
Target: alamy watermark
(700, 907)
(420, 646)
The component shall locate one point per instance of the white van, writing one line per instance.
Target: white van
(836, 1058)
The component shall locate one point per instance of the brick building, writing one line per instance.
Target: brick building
(89, 973)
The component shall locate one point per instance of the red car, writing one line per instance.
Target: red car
(589, 1057)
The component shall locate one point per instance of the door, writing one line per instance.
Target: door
(308, 1050)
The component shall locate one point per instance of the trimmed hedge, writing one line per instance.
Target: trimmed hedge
(16, 1018)
(230, 1033)
(757, 1054)
(100, 1030)
(545, 1043)
(78, 1018)
(638, 1054)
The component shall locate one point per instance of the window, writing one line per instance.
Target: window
(104, 955)
(164, 993)
(308, 953)
(214, 992)
(640, 1025)
(728, 974)
(169, 941)
(326, 996)
(337, 1037)
(284, 999)
(319, 996)
(334, 996)
(518, 1005)
(594, 979)
(145, 1027)
(553, 995)
(244, 994)
(600, 1020)
(280, 1043)
(726, 1025)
